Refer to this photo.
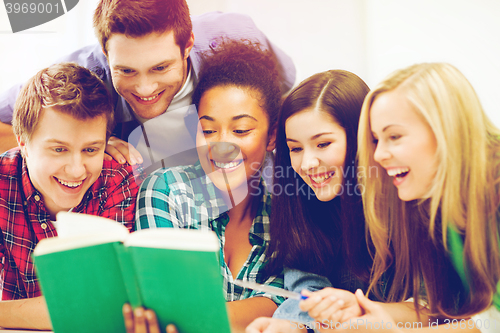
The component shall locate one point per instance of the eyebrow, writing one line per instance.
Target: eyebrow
(164, 63)
(314, 137)
(386, 127)
(97, 142)
(233, 119)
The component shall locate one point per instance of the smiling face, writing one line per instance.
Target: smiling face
(148, 71)
(231, 117)
(406, 146)
(64, 157)
(317, 146)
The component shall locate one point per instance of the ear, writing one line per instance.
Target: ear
(189, 46)
(271, 143)
(22, 144)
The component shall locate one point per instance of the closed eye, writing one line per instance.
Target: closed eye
(295, 150)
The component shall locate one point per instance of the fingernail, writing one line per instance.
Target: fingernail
(132, 160)
(121, 160)
(340, 302)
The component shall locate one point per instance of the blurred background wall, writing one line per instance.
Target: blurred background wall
(368, 37)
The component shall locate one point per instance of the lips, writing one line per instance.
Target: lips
(148, 99)
(69, 184)
(399, 174)
(321, 178)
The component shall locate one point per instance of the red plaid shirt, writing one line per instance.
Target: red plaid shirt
(113, 195)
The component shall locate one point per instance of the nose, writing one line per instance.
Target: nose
(309, 160)
(146, 86)
(75, 168)
(381, 153)
(224, 150)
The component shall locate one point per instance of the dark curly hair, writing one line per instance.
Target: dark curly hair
(244, 64)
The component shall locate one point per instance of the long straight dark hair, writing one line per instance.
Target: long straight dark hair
(308, 234)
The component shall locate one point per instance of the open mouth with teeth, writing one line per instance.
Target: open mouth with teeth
(227, 165)
(149, 99)
(319, 179)
(398, 173)
(71, 185)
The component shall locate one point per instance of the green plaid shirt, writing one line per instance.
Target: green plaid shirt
(185, 197)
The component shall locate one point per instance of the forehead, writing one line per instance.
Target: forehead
(150, 49)
(63, 126)
(311, 121)
(392, 108)
(223, 103)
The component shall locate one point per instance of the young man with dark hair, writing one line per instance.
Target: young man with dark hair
(150, 52)
(62, 120)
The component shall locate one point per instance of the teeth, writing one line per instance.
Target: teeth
(226, 165)
(70, 184)
(397, 171)
(320, 179)
(148, 98)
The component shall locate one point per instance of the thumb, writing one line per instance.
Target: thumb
(366, 304)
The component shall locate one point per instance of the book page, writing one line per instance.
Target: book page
(176, 239)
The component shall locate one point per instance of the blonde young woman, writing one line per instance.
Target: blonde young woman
(430, 157)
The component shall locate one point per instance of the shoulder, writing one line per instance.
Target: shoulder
(9, 162)
(210, 28)
(222, 20)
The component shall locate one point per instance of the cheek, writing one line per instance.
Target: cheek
(295, 160)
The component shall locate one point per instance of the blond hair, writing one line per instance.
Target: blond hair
(464, 194)
(70, 89)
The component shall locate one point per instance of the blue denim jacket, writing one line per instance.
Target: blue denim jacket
(296, 280)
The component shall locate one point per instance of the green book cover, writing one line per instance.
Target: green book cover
(87, 276)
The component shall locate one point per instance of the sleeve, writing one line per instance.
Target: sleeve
(296, 280)
(121, 196)
(210, 27)
(156, 207)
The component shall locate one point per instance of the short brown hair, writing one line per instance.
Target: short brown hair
(137, 18)
(67, 87)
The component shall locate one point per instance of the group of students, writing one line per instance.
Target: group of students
(391, 193)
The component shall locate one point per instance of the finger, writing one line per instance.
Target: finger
(107, 157)
(152, 321)
(311, 302)
(135, 154)
(367, 305)
(140, 321)
(128, 316)
(258, 325)
(171, 328)
(115, 154)
(324, 305)
(333, 313)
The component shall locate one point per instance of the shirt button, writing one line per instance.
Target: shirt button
(44, 226)
(37, 197)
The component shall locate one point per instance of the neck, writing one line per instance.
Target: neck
(243, 201)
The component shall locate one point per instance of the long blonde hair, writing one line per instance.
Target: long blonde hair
(464, 194)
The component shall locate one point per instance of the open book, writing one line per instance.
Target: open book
(95, 266)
